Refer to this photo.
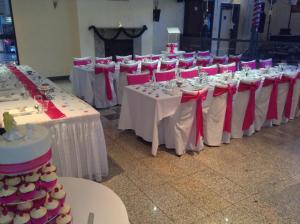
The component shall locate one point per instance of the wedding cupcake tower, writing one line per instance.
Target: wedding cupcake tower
(29, 188)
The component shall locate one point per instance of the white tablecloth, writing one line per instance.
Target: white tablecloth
(78, 142)
(85, 196)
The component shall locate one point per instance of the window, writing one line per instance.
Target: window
(8, 43)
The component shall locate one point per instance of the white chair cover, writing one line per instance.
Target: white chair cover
(296, 98)
(179, 129)
(101, 100)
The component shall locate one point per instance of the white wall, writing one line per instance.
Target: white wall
(172, 14)
(132, 13)
(47, 38)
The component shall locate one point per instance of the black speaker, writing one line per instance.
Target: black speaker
(156, 15)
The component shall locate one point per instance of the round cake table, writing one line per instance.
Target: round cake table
(85, 197)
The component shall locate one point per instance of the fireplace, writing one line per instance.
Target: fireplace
(122, 45)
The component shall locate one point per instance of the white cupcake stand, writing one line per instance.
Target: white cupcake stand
(85, 197)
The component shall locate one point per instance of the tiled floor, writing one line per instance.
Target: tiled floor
(252, 180)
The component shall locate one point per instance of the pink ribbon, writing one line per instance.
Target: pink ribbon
(202, 62)
(185, 64)
(53, 112)
(82, 62)
(106, 71)
(200, 97)
(103, 61)
(149, 67)
(26, 166)
(250, 111)
(172, 48)
(272, 108)
(128, 69)
(289, 97)
(230, 90)
(167, 66)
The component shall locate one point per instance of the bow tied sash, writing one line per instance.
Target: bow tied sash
(172, 48)
(288, 103)
(272, 108)
(199, 98)
(250, 110)
(230, 90)
(149, 67)
(106, 71)
(128, 69)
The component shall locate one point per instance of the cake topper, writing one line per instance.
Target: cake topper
(10, 128)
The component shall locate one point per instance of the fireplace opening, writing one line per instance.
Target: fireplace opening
(120, 47)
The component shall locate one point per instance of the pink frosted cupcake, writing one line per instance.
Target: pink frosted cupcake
(8, 194)
(52, 207)
(27, 191)
(6, 217)
(25, 207)
(22, 218)
(39, 215)
(65, 210)
(63, 219)
(32, 178)
(42, 200)
(48, 180)
(13, 181)
(59, 195)
(49, 168)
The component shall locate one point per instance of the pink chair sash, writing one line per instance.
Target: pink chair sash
(250, 111)
(199, 97)
(149, 67)
(189, 55)
(128, 68)
(155, 58)
(219, 60)
(249, 64)
(289, 97)
(138, 79)
(172, 47)
(272, 107)
(106, 71)
(189, 74)
(82, 62)
(202, 62)
(210, 70)
(103, 61)
(165, 76)
(203, 53)
(167, 66)
(230, 90)
(185, 64)
(265, 63)
(236, 59)
(229, 67)
(172, 56)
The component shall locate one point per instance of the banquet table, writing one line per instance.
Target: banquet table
(85, 196)
(78, 143)
(145, 107)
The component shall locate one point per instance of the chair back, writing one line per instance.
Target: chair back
(203, 53)
(172, 56)
(155, 57)
(105, 60)
(219, 59)
(168, 64)
(189, 54)
(248, 64)
(186, 63)
(141, 57)
(210, 70)
(138, 79)
(189, 73)
(82, 61)
(104, 68)
(235, 58)
(266, 63)
(203, 61)
(227, 68)
(165, 75)
(123, 58)
(129, 68)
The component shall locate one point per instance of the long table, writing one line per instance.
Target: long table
(78, 143)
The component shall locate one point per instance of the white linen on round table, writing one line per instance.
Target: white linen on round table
(85, 196)
(78, 143)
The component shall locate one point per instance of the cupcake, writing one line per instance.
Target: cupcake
(27, 191)
(48, 180)
(22, 218)
(52, 207)
(6, 217)
(59, 195)
(49, 168)
(41, 201)
(63, 219)
(59, 186)
(65, 210)
(25, 207)
(32, 177)
(39, 215)
(12, 181)
(8, 194)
